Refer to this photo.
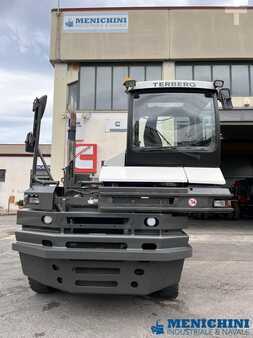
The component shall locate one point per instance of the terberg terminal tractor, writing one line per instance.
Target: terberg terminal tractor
(122, 233)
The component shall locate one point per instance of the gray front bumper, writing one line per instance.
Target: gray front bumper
(131, 263)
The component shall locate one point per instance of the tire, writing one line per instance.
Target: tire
(38, 287)
(237, 212)
(171, 292)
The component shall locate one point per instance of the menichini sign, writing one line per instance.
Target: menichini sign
(115, 22)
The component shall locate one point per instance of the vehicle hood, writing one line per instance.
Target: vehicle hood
(194, 175)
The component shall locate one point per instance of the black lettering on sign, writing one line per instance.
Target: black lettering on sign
(174, 84)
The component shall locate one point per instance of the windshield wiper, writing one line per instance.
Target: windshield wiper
(160, 134)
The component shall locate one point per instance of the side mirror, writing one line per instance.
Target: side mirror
(39, 106)
(225, 98)
(29, 143)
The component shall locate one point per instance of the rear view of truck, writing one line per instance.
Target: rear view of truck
(123, 232)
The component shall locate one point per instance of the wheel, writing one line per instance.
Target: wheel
(38, 287)
(171, 292)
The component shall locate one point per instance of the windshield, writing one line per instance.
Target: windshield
(174, 120)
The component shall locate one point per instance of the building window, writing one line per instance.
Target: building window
(2, 175)
(240, 80)
(236, 76)
(87, 87)
(101, 86)
(202, 73)
(73, 96)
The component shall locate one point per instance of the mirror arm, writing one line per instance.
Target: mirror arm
(44, 164)
(39, 106)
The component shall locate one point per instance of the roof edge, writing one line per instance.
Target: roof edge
(80, 9)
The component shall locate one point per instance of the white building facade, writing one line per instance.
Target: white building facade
(15, 168)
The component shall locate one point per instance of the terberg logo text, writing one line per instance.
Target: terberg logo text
(174, 84)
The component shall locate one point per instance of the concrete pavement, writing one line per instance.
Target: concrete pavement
(216, 282)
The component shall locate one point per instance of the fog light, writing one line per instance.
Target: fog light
(151, 221)
(222, 204)
(47, 219)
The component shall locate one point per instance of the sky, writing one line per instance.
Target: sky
(25, 70)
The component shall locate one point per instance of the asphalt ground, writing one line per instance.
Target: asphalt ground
(217, 282)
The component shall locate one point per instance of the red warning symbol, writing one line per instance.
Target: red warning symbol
(85, 158)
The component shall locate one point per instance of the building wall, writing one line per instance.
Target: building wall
(157, 34)
(17, 178)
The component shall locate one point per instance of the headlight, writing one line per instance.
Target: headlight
(151, 221)
(222, 204)
(33, 200)
(47, 219)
